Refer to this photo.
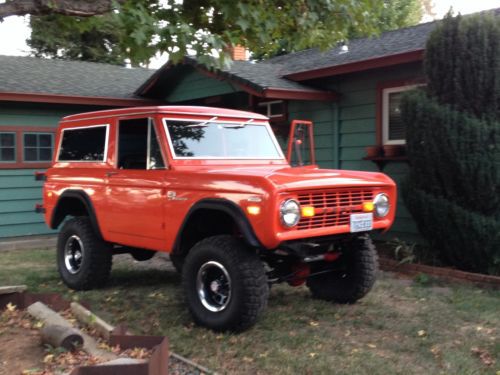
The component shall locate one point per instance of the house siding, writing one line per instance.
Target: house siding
(357, 130)
(195, 85)
(19, 192)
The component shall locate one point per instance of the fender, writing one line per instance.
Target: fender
(58, 213)
(228, 207)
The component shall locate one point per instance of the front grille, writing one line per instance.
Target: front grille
(333, 207)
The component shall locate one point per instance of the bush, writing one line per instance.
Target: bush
(453, 141)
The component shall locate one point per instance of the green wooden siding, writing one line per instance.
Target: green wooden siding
(19, 192)
(357, 130)
(195, 85)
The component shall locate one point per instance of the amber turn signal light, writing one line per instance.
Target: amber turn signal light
(368, 206)
(307, 211)
(253, 210)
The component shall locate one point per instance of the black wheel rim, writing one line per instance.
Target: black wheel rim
(73, 254)
(213, 285)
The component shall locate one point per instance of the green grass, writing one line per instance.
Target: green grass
(399, 328)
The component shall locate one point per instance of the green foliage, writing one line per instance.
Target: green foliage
(137, 29)
(395, 14)
(453, 141)
(76, 38)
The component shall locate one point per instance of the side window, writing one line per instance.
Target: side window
(138, 145)
(38, 147)
(7, 147)
(84, 144)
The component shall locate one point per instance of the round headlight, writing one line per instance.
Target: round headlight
(381, 203)
(290, 213)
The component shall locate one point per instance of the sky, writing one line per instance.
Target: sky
(15, 30)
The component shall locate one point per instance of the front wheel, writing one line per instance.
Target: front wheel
(349, 278)
(83, 259)
(225, 284)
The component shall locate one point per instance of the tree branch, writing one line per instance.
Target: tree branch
(77, 8)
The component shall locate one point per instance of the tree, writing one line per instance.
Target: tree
(453, 141)
(206, 25)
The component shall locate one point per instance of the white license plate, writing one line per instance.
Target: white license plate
(361, 222)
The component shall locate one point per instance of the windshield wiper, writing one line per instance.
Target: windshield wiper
(202, 124)
(240, 125)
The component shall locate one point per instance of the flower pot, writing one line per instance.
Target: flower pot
(373, 151)
(393, 150)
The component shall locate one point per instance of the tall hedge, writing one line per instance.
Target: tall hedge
(453, 144)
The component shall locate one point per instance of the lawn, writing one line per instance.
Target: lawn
(401, 327)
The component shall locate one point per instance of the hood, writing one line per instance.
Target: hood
(300, 178)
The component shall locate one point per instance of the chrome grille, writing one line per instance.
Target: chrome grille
(333, 207)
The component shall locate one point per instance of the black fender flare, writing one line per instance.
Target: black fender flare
(83, 197)
(228, 207)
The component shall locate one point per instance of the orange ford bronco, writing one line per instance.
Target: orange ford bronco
(212, 188)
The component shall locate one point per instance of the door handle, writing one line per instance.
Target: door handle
(109, 174)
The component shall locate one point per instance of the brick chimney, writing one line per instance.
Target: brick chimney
(238, 53)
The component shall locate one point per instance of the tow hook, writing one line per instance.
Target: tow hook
(327, 257)
(300, 272)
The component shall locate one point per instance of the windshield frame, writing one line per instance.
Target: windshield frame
(255, 122)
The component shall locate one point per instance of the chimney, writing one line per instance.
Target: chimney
(238, 53)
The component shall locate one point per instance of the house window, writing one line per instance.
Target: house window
(7, 147)
(38, 147)
(273, 109)
(393, 128)
(84, 144)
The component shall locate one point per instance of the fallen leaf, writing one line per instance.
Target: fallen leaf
(313, 323)
(421, 333)
(373, 346)
(484, 355)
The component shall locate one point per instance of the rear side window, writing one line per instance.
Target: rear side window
(84, 144)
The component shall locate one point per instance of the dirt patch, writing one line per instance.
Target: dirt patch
(20, 350)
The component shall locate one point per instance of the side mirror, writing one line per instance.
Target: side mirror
(300, 149)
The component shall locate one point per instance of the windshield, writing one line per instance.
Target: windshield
(221, 140)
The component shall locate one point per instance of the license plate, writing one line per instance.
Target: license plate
(361, 222)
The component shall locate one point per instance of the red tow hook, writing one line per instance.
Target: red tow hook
(300, 272)
(331, 257)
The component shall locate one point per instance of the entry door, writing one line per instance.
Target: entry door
(136, 188)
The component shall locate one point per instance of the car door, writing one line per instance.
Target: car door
(136, 187)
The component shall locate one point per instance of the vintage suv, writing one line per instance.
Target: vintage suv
(212, 187)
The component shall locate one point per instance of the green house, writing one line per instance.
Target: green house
(351, 93)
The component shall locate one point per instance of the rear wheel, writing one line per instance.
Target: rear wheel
(349, 278)
(225, 284)
(83, 259)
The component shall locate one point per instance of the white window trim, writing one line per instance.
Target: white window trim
(385, 113)
(268, 106)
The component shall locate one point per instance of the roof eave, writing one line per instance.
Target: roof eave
(73, 99)
(268, 92)
(357, 66)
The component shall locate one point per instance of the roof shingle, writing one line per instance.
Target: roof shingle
(20, 74)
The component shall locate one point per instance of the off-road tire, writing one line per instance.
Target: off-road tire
(177, 261)
(96, 260)
(249, 288)
(352, 276)
(142, 255)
